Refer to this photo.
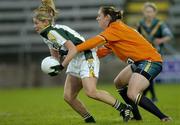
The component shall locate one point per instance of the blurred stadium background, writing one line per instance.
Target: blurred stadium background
(21, 49)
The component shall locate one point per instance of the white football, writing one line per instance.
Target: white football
(47, 63)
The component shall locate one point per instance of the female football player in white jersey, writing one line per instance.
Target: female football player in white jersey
(82, 71)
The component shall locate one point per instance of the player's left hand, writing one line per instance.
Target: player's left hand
(58, 68)
(158, 41)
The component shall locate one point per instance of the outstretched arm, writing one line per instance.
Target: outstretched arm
(103, 51)
(91, 43)
(73, 50)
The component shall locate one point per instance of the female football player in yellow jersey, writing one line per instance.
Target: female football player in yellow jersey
(129, 46)
(82, 71)
(156, 32)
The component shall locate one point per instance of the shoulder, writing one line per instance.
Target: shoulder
(162, 24)
(159, 22)
(140, 23)
(107, 31)
(58, 26)
(51, 35)
(56, 31)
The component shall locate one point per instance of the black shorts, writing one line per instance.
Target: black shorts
(146, 68)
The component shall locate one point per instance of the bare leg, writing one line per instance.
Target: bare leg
(121, 82)
(122, 79)
(89, 85)
(137, 85)
(71, 89)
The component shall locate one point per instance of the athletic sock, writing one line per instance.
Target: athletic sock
(88, 118)
(148, 105)
(124, 110)
(135, 110)
(119, 106)
(152, 90)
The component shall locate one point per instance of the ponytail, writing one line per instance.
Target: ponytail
(118, 15)
(46, 11)
(51, 6)
(112, 12)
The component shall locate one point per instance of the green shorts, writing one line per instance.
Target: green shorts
(146, 68)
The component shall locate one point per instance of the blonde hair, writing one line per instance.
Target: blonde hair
(46, 11)
(150, 4)
(50, 4)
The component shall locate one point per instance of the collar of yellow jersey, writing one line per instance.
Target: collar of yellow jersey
(45, 28)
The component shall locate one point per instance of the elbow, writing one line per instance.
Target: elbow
(169, 38)
(75, 50)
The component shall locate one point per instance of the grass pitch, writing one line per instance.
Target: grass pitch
(45, 106)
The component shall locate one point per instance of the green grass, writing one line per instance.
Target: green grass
(45, 106)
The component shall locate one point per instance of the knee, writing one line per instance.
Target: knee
(91, 93)
(68, 98)
(115, 81)
(118, 83)
(131, 95)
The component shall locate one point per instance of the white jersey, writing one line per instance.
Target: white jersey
(85, 64)
(59, 34)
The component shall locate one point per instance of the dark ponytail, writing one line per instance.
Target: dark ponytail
(112, 12)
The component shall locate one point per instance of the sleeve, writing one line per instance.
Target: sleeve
(166, 31)
(47, 42)
(138, 27)
(103, 51)
(91, 43)
(110, 34)
(55, 37)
